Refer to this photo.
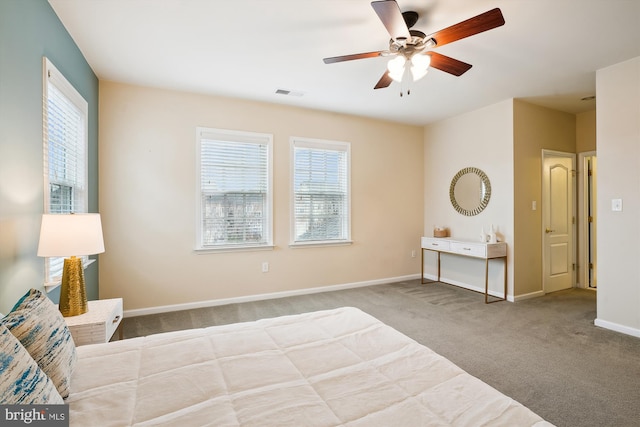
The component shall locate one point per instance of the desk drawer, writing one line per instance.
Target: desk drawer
(435, 244)
(470, 249)
(113, 320)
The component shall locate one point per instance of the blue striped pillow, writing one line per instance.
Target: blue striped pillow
(41, 329)
(22, 381)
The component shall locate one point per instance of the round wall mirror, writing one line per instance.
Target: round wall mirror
(470, 191)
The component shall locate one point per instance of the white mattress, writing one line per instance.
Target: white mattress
(329, 368)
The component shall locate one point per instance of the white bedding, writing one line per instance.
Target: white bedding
(329, 368)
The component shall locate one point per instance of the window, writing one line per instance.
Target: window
(65, 123)
(321, 192)
(234, 189)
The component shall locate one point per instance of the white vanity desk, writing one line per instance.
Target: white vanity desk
(481, 250)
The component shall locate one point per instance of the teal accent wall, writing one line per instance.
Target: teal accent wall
(29, 30)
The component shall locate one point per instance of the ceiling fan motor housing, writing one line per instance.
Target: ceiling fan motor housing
(410, 18)
(411, 46)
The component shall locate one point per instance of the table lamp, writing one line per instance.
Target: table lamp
(73, 236)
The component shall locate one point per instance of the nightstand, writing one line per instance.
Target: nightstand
(98, 324)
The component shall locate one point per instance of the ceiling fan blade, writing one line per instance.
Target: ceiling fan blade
(478, 24)
(353, 56)
(389, 13)
(384, 81)
(448, 64)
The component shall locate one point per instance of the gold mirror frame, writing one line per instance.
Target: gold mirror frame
(484, 197)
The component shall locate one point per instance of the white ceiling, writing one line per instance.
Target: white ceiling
(546, 53)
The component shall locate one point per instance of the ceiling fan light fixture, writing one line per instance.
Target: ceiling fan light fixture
(396, 68)
(419, 66)
(421, 61)
(418, 73)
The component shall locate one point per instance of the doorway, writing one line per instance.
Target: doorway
(558, 220)
(587, 214)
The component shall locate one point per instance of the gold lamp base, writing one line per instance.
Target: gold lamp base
(73, 295)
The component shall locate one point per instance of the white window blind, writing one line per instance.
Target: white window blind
(234, 189)
(321, 191)
(65, 123)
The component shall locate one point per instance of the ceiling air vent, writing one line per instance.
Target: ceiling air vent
(289, 92)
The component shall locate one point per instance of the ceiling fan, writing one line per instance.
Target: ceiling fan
(411, 49)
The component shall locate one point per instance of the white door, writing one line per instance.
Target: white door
(558, 220)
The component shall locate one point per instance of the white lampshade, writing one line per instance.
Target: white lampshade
(63, 235)
(396, 68)
(418, 73)
(420, 66)
(421, 61)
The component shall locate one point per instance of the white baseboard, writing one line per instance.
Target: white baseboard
(258, 297)
(468, 286)
(617, 327)
(530, 295)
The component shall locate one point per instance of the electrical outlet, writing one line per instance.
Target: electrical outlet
(265, 267)
(616, 205)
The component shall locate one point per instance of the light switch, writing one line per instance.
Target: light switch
(616, 205)
(534, 205)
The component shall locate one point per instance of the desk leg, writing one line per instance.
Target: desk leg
(505, 277)
(422, 265)
(422, 280)
(486, 281)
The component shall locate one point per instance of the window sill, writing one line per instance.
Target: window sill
(227, 249)
(49, 286)
(298, 245)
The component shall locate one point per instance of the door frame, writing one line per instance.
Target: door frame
(551, 154)
(583, 221)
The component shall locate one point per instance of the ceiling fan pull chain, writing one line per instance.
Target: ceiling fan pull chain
(403, 82)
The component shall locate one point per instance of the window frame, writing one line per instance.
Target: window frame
(51, 75)
(239, 137)
(328, 145)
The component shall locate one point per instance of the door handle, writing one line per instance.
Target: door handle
(548, 230)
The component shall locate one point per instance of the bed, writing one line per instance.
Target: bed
(337, 367)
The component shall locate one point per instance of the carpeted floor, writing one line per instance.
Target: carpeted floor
(543, 352)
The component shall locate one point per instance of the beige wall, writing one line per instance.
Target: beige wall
(586, 131)
(535, 128)
(618, 136)
(147, 199)
(506, 141)
(482, 138)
